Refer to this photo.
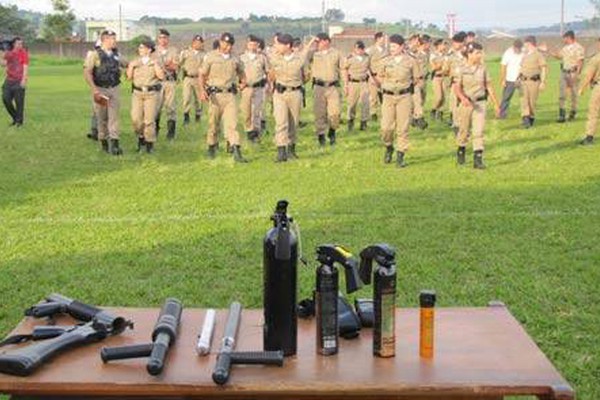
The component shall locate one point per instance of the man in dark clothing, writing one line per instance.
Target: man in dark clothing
(16, 61)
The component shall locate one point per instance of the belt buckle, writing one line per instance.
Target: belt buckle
(145, 89)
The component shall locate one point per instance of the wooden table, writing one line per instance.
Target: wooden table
(481, 353)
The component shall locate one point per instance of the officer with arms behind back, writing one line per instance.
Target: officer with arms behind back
(191, 61)
(253, 95)
(356, 74)
(102, 72)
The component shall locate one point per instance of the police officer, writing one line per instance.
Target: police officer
(356, 85)
(102, 72)
(439, 73)
(420, 51)
(168, 57)
(592, 79)
(286, 76)
(455, 60)
(377, 53)
(326, 65)
(191, 61)
(473, 87)
(571, 56)
(253, 95)
(146, 75)
(219, 76)
(399, 75)
(532, 78)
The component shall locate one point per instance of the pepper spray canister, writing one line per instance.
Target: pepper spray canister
(427, 300)
(327, 293)
(384, 296)
(280, 284)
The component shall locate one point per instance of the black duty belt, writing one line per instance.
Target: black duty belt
(213, 89)
(319, 82)
(478, 99)
(568, 71)
(408, 90)
(186, 75)
(260, 84)
(359, 80)
(438, 75)
(153, 88)
(282, 89)
(534, 78)
(107, 86)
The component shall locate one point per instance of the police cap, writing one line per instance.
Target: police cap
(108, 32)
(360, 45)
(323, 36)
(398, 39)
(228, 38)
(164, 32)
(198, 38)
(285, 39)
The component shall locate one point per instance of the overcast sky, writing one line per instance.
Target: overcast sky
(471, 13)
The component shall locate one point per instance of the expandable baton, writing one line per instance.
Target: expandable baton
(228, 357)
(163, 337)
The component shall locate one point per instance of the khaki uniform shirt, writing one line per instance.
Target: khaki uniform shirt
(473, 79)
(571, 56)
(357, 67)
(532, 64)
(439, 59)
(256, 66)
(145, 74)
(594, 68)
(165, 56)
(289, 70)
(191, 61)
(377, 54)
(326, 65)
(399, 73)
(422, 59)
(455, 61)
(221, 71)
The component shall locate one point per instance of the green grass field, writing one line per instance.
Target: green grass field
(133, 230)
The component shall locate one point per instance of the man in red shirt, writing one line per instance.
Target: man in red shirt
(16, 61)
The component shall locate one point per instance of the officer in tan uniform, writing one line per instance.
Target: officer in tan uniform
(326, 65)
(420, 51)
(455, 61)
(571, 56)
(145, 74)
(532, 79)
(220, 74)
(377, 53)
(168, 57)
(191, 61)
(356, 85)
(473, 87)
(399, 76)
(286, 76)
(102, 72)
(592, 79)
(253, 96)
(439, 73)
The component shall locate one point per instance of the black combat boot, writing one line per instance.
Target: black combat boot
(157, 121)
(198, 117)
(400, 162)
(562, 116)
(237, 155)
(433, 115)
(141, 143)
(292, 151)
(389, 154)
(421, 123)
(212, 151)
(302, 124)
(93, 135)
(331, 136)
(350, 125)
(282, 155)
(229, 148)
(531, 121)
(149, 148)
(322, 140)
(440, 116)
(572, 115)
(263, 125)
(104, 144)
(461, 156)
(171, 126)
(478, 160)
(525, 122)
(115, 149)
(253, 136)
(587, 141)
(186, 119)
(363, 125)
(374, 118)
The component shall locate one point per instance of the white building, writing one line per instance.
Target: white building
(126, 29)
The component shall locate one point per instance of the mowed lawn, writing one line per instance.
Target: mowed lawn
(132, 230)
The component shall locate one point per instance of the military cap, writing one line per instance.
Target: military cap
(360, 44)
(108, 32)
(198, 38)
(323, 36)
(164, 32)
(438, 42)
(253, 38)
(569, 34)
(285, 39)
(471, 47)
(398, 39)
(379, 35)
(228, 38)
(424, 39)
(149, 44)
(459, 37)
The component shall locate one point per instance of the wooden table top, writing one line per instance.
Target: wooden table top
(479, 352)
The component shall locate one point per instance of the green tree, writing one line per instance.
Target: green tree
(11, 24)
(58, 26)
(334, 15)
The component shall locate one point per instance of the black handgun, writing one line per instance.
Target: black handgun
(53, 340)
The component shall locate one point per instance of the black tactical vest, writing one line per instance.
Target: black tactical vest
(108, 73)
